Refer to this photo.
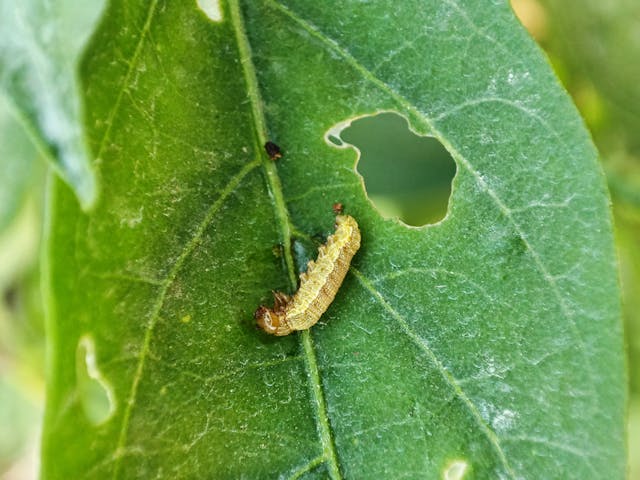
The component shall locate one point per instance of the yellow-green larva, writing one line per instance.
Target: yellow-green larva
(318, 285)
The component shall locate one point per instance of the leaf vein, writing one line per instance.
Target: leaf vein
(282, 217)
(446, 375)
(309, 466)
(434, 271)
(155, 312)
(127, 78)
(461, 159)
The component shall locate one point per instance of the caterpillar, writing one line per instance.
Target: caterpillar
(318, 285)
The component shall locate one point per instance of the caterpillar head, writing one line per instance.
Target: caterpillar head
(271, 321)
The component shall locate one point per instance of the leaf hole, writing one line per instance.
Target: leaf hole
(406, 175)
(211, 9)
(94, 391)
(456, 470)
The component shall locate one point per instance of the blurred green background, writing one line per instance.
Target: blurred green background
(594, 46)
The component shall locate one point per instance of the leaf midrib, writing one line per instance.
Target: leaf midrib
(274, 185)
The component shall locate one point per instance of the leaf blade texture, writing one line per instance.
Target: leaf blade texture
(480, 344)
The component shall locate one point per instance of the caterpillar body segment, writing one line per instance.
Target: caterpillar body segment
(318, 285)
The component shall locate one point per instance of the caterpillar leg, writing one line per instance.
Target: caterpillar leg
(280, 300)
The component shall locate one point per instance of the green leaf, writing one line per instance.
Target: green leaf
(604, 34)
(486, 346)
(40, 47)
(18, 167)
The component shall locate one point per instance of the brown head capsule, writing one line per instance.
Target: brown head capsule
(318, 285)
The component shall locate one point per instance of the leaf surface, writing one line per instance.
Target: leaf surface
(488, 344)
(40, 46)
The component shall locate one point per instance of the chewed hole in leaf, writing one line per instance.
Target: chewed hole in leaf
(455, 470)
(94, 391)
(211, 8)
(405, 175)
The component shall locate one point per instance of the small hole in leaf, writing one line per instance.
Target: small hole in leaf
(406, 175)
(94, 392)
(211, 8)
(456, 470)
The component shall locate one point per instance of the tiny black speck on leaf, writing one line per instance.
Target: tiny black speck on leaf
(273, 150)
